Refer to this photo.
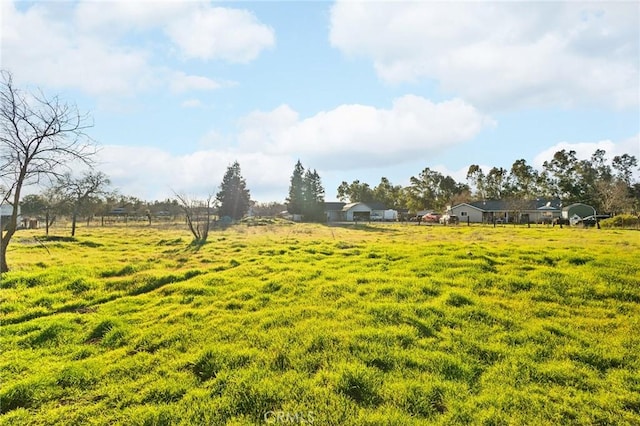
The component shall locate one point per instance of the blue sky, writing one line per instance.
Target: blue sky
(356, 90)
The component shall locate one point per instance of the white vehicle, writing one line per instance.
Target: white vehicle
(449, 219)
(390, 215)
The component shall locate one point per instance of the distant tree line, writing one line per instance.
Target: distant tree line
(607, 185)
(88, 196)
(429, 190)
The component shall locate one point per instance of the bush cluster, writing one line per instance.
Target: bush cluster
(621, 221)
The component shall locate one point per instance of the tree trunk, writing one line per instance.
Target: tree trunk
(74, 218)
(5, 237)
(4, 267)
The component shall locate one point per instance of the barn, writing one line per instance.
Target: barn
(336, 211)
(356, 212)
(578, 209)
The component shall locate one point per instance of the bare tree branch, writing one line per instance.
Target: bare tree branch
(198, 215)
(40, 138)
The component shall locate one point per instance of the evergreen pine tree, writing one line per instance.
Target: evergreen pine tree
(295, 200)
(233, 196)
(313, 191)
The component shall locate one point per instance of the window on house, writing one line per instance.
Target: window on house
(463, 213)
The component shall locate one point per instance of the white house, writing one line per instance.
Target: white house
(487, 211)
(467, 212)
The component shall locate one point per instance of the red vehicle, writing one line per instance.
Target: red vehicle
(431, 217)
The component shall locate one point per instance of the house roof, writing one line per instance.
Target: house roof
(488, 205)
(507, 205)
(333, 205)
(376, 205)
(372, 205)
(465, 204)
(349, 206)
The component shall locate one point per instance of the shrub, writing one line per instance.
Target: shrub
(621, 221)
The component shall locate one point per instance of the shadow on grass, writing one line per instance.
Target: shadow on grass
(149, 284)
(153, 283)
(56, 238)
(60, 239)
(363, 226)
(78, 307)
(195, 245)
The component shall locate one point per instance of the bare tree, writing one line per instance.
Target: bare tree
(614, 196)
(78, 191)
(198, 216)
(39, 138)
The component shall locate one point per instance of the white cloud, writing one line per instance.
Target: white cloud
(151, 173)
(117, 17)
(48, 53)
(500, 54)
(342, 140)
(220, 33)
(361, 136)
(192, 103)
(181, 82)
(196, 28)
(87, 45)
(584, 150)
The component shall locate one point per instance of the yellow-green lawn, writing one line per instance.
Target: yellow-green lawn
(386, 324)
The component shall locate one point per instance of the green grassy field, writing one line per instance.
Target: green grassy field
(287, 324)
